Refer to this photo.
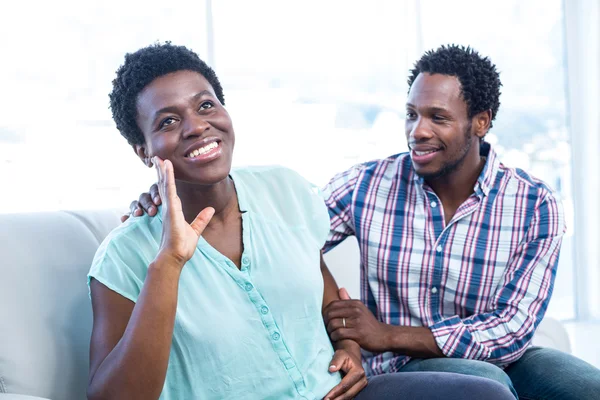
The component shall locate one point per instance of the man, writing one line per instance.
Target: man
(458, 252)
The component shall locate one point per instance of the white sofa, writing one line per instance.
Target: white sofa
(45, 312)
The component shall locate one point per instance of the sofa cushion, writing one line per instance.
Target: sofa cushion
(46, 313)
(19, 397)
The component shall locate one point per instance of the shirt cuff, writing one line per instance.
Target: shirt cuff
(455, 341)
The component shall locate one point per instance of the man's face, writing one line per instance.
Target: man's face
(438, 129)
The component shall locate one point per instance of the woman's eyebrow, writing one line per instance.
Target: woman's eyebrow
(202, 93)
(173, 109)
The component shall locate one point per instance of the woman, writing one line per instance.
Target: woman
(219, 296)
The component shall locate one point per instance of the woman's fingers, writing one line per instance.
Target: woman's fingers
(339, 357)
(359, 384)
(169, 179)
(158, 164)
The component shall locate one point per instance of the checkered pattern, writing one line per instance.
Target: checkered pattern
(482, 283)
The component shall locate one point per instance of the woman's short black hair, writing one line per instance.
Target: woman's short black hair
(478, 77)
(141, 68)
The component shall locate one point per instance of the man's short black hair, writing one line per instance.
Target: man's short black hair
(478, 77)
(141, 68)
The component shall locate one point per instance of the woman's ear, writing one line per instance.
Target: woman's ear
(140, 151)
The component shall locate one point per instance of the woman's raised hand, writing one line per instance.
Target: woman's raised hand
(179, 239)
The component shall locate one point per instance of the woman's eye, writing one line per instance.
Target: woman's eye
(206, 105)
(410, 114)
(167, 122)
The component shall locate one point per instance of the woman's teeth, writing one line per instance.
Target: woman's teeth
(203, 150)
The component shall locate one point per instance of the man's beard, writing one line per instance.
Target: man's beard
(452, 165)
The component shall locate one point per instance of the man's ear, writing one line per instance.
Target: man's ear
(140, 151)
(481, 123)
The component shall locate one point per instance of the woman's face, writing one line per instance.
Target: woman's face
(183, 121)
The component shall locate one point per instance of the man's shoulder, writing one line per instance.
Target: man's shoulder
(397, 164)
(521, 181)
(392, 163)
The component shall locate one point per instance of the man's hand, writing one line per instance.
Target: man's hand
(351, 319)
(148, 202)
(354, 379)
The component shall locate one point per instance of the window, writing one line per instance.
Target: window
(531, 128)
(314, 85)
(321, 86)
(59, 148)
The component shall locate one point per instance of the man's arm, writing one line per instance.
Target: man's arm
(351, 319)
(330, 294)
(347, 358)
(338, 195)
(500, 335)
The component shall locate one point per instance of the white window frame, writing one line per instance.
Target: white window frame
(582, 32)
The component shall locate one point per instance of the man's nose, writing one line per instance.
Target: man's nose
(419, 130)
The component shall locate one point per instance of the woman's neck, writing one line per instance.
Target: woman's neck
(221, 196)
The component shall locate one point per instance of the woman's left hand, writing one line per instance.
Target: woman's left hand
(354, 379)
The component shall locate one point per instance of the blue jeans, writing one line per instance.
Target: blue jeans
(432, 386)
(540, 374)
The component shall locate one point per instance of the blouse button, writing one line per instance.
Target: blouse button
(245, 261)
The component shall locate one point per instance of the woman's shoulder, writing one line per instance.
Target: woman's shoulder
(121, 262)
(275, 190)
(272, 180)
(134, 230)
(133, 240)
(267, 174)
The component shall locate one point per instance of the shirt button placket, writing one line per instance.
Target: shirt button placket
(245, 262)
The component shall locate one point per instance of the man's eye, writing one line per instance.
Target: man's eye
(438, 118)
(206, 105)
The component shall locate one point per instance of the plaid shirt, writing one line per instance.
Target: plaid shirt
(482, 283)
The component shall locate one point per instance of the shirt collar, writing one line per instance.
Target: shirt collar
(487, 177)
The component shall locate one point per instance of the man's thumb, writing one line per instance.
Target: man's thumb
(344, 294)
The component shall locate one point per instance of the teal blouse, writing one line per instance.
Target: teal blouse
(254, 333)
